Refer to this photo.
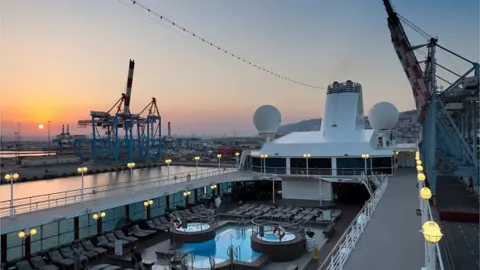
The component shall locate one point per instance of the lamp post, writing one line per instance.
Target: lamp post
(432, 234)
(82, 171)
(213, 187)
(28, 232)
(186, 194)
(306, 157)
(365, 158)
(11, 177)
(237, 155)
(99, 215)
(26, 235)
(219, 157)
(263, 166)
(147, 205)
(131, 165)
(197, 158)
(168, 161)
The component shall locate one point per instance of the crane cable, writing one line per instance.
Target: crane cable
(211, 44)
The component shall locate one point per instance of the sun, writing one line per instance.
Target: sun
(41, 126)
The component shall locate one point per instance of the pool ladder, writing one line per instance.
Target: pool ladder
(234, 253)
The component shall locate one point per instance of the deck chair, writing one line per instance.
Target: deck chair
(99, 266)
(24, 265)
(112, 238)
(58, 259)
(103, 242)
(88, 246)
(38, 263)
(121, 235)
(141, 233)
(89, 254)
(68, 253)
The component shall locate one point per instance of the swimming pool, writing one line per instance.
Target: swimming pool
(218, 247)
(194, 227)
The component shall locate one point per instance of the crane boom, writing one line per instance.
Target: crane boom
(409, 61)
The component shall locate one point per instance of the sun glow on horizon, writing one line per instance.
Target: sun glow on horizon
(41, 126)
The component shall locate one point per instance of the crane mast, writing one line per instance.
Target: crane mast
(410, 64)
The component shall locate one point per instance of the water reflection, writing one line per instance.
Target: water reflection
(28, 189)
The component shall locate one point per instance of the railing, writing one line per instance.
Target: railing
(302, 171)
(34, 203)
(438, 252)
(340, 252)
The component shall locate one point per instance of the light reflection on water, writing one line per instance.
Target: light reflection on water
(27, 189)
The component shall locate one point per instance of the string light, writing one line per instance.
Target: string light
(218, 48)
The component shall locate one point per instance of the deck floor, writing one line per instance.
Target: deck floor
(392, 239)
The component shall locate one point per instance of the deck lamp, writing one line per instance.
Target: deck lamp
(99, 215)
(421, 177)
(168, 161)
(432, 232)
(11, 177)
(131, 165)
(214, 186)
(306, 157)
(219, 157)
(425, 193)
(147, 203)
(263, 166)
(23, 234)
(237, 155)
(187, 193)
(365, 157)
(419, 162)
(419, 168)
(82, 171)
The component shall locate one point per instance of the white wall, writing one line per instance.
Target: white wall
(306, 189)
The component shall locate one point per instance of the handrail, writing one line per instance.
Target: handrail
(438, 253)
(33, 203)
(302, 171)
(340, 252)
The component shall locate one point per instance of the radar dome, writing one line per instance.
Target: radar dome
(383, 115)
(267, 119)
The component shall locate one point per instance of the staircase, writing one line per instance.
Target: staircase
(244, 163)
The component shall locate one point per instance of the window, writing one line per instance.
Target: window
(87, 226)
(49, 235)
(112, 217)
(137, 211)
(158, 207)
(14, 246)
(66, 232)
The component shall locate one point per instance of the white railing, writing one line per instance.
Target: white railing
(34, 203)
(438, 253)
(340, 252)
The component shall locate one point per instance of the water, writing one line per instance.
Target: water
(271, 237)
(194, 227)
(28, 189)
(218, 247)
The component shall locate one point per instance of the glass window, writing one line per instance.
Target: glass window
(50, 229)
(50, 242)
(14, 246)
(87, 226)
(66, 226)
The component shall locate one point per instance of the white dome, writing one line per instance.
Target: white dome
(383, 115)
(267, 119)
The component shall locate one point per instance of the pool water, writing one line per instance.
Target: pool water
(194, 227)
(271, 237)
(218, 247)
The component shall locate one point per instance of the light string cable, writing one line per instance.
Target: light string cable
(221, 49)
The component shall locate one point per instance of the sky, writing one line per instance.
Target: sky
(61, 59)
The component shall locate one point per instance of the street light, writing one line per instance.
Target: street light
(365, 157)
(27, 232)
(82, 171)
(432, 234)
(306, 157)
(147, 203)
(219, 157)
(131, 165)
(197, 158)
(237, 155)
(11, 177)
(263, 158)
(99, 215)
(168, 161)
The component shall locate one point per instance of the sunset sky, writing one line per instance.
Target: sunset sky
(61, 59)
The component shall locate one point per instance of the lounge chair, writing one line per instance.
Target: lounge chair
(24, 265)
(90, 254)
(112, 238)
(159, 222)
(88, 245)
(154, 226)
(112, 267)
(38, 263)
(99, 266)
(58, 259)
(141, 233)
(103, 242)
(68, 253)
(120, 235)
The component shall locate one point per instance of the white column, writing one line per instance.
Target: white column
(287, 166)
(334, 166)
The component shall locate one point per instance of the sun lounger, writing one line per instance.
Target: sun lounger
(38, 263)
(58, 259)
(103, 242)
(90, 254)
(154, 226)
(24, 265)
(141, 233)
(88, 245)
(112, 238)
(68, 253)
(120, 235)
